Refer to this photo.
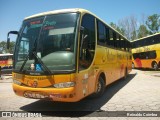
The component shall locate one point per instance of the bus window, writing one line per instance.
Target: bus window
(152, 54)
(88, 46)
(107, 35)
(117, 41)
(101, 33)
(140, 43)
(111, 41)
(125, 44)
(114, 39)
(122, 43)
(157, 39)
(24, 48)
(128, 46)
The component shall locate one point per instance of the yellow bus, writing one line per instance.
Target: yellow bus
(146, 52)
(66, 55)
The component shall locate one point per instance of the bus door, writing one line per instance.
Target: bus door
(86, 75)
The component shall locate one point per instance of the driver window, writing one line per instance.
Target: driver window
(87, 42)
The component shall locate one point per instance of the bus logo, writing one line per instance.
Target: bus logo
(35, 84)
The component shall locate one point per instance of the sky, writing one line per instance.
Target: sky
(12, 12)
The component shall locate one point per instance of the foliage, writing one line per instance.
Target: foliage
(153, 23)
(120, 30)
(142, 31)
(130, 27)
(3, 47)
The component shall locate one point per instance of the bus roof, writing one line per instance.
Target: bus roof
(145, 37)
(71, 10)
(57, 12)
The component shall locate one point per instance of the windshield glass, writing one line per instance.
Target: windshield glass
(52, 38)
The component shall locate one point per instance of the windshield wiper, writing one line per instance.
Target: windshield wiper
(24, 63)
(41, 62)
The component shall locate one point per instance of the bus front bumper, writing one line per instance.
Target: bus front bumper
(53, 94)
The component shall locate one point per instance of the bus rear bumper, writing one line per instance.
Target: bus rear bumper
(53, 94)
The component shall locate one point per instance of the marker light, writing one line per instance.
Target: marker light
(17, 82)
(64, 85)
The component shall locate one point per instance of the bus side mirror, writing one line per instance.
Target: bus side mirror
(8, 39)
(8, 42)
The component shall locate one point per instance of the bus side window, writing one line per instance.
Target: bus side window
(122, 43)
(101, 40)
(87, 49)
(111, 41)
(115, 39)
(118, 38)
(157, 39)
(119, 41)
(107, 36)
(125, 44)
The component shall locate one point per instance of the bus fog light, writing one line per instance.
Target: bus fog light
(64, 85)
(17, 82)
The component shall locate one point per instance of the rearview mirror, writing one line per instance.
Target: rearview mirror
(8, 39)
(8, 42)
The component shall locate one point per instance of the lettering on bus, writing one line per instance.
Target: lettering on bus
(41, 95)
(36, 95)
(110, 55)
(33, 84)
(47, 24)
(35, 22)
(119, 56)
(36, 77)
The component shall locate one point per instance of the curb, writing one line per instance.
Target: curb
(6, 77)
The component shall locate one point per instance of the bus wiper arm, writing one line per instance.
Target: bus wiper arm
(41, 62)
(24, 63)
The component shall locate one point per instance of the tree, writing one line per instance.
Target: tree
(11, 47)
(133, 29)
(3, 47)
(113, 25)
(129, 27)
(120, 30)
(153, 23)
(142, 31)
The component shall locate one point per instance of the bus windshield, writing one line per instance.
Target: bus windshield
(52, 38)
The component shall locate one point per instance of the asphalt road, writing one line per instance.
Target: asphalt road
(140, 92)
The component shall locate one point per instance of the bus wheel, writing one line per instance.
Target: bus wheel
(133, 66)
(125, 74)
(155, 66)
(99, 88)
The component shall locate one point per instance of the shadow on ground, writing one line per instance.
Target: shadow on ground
(84, 107)
(147, 69)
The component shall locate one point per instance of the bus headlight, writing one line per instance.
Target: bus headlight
(64, 85)
(17, 82)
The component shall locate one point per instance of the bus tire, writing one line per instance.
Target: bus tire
(133, 66)
(100, 87)
(154, 65)
(125, 74)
